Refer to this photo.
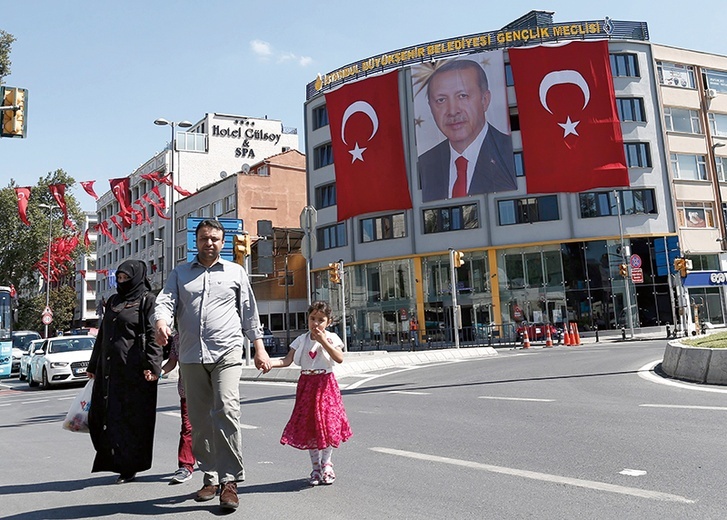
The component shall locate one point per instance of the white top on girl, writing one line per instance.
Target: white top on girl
(310, 355)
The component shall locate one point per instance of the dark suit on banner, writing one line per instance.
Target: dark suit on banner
(494, 170)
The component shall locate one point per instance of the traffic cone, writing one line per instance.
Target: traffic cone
(548, 338)
(577, 334)
(526, 338)
(566, 337)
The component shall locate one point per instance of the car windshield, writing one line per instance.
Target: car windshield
(23, 340)
(70, 345)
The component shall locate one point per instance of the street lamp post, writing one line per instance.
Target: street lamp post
(624, 260)
(50, 208)
(173, 147)
(718, 197)
(162, 241)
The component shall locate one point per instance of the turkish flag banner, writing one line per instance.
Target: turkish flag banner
(23, 195)
(571, 134)
(368, 148)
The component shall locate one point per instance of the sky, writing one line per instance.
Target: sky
(99, 73)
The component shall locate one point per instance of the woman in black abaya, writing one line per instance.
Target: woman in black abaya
(125, 366)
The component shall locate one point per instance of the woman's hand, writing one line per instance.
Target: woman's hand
(150, 376)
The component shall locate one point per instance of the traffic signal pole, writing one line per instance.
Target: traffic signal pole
(625, 260)
(455, 260)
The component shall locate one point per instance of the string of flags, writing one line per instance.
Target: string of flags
(131, 213)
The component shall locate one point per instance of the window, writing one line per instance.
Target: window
(230, 203)
(191, 142)
(688, 167)
(528, 210)
(509, 81)
(682, 120)
(320, 117)
(519, 164)
(383, 228)
(716, 79)
(721, 168)
(718, 124)
(637, 155)
(631, 109)
(624, 65)
(675, 74)
(326, 195)
(322, 156)
(451, 218)
(217, 208)
(331, 236)
(263, 171)
(695, 214)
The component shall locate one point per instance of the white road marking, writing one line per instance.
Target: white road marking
(633, 472)
(355, 385)
(67, 398)
(408, 393)
(36, 401)
(545, 477)
(685, 407)
(259, 382)
(645, 372)
(496, 398)
(179, 415)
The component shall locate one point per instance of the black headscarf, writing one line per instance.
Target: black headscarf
(137, 284)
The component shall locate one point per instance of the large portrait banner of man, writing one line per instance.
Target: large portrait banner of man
(462, 125)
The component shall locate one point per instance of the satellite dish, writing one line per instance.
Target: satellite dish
(223, 174)
(245, 168)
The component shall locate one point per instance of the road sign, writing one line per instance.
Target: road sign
(46, 318)
(637, 275)
(635, 261)
(308, 219)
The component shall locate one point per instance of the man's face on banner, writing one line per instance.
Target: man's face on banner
(458, 105)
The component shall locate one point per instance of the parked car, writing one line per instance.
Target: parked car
(271, 343)
(21, 341)
(63, 359)
(538, 332)
(25, 358)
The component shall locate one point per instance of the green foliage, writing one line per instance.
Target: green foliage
(62, 302)
(6, 43)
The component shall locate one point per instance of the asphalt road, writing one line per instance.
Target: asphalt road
(571, 432)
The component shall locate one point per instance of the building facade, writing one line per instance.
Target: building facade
(535, 258)
(86, 313)
(216, 147)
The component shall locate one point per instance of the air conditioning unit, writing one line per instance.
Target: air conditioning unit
(711, 93)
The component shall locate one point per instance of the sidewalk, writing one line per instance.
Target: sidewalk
(369, 361)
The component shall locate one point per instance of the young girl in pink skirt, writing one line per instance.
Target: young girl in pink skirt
(318, 422)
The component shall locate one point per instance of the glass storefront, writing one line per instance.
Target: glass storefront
(575, 282)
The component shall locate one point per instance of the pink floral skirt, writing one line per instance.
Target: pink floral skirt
(319, 418)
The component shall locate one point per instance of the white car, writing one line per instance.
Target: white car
(21, 340)
(63, 359)
(25, 358)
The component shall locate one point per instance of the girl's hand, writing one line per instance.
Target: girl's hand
(150, 376)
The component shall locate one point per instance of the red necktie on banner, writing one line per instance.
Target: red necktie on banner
(460, 185)
(571, 133)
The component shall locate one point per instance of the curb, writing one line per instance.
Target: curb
(372, 361)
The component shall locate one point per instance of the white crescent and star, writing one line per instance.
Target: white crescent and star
(364, 108)
(564, 77)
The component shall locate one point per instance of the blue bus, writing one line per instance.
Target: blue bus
(6, 331)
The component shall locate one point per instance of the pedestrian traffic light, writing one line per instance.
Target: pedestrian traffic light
(623, 270)
(13, 101)
(680, 266)
(241, 248)
(334, 274)
(457, 258)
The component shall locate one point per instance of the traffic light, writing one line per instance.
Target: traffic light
(13, 111)
(457, 258)
(623, 270)
(680, 266)
(241, 248)
(334, 274)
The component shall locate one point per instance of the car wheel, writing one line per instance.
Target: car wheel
(21, 376)
(44, 384)
(31, 382)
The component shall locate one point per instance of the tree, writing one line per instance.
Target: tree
(22, 246)
(6, 43)
(62, 301)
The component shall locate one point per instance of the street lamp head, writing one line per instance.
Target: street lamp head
(184, 124)
(718, 145)
(159, 240)
(161, 122)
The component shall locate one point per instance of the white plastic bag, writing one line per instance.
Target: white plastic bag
(77, 418)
